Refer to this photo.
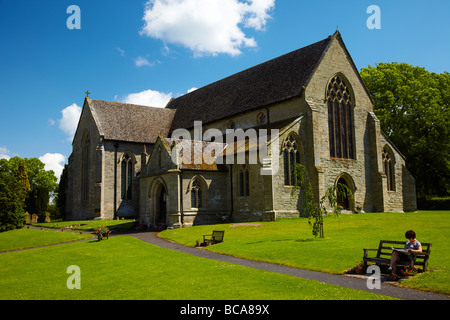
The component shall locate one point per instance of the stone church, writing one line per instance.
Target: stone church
(127, 162)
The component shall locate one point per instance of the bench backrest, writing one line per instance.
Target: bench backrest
(384, 249)
(218, 235)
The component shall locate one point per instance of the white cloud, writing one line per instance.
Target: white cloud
(258, 13)
(207, 27)
(149, 98)
(69, 121)
(55, 162)
(4, 153)
(121, 51)
(140, 61)
(191, 89)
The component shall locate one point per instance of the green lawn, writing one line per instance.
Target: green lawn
(290, 242)
(28, 238)
(126, 268)
(88, 225)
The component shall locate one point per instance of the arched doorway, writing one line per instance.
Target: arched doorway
(158, 197)
(162, 214)
(346, 202)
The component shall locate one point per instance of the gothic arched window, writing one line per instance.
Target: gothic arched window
(127, 177)
(291, 156)
(244, 183)
(388, 168)
(340, 120)
(159, 157)
(196, 195)
(85, 145)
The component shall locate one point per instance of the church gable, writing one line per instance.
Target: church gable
(129, 122)
(337, 61)
(338, 95)
(160, 160)
(87, 123)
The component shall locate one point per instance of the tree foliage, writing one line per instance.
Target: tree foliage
(413, 106)
(23, 182)
(62, 192)
(24, 186)
(12, 200)
(42, 184)
(316, 211)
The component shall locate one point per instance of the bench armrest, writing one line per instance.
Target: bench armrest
(367, 250)
(421, 254)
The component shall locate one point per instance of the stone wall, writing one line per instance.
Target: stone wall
(77, 208)
(403, 197)
(104, 163)
(361, 169)
(112, 161)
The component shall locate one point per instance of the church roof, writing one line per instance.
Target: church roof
(270, 82)
(203, 159)
(130, 122)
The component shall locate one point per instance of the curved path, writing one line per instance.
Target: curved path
(340, 280)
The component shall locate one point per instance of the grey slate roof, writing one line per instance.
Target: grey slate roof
(130, 122)
(273, 81)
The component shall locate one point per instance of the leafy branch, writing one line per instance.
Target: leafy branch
(316, 211)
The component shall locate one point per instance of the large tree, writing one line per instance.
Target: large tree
(62, 192)
(42, 184)
(413, 106)
(12, 197)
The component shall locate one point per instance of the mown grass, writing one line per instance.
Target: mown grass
(290, 242)
(125, 268)
(28, 238)
(88, 225)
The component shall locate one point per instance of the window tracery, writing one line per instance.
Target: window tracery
(291, 156)
(388, 169)
(340, 120)
(127, 178)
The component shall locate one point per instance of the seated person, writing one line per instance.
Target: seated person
(412, 245)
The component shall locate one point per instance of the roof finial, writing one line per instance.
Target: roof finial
(87, 93)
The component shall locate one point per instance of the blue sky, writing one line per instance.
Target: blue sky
(117, 55)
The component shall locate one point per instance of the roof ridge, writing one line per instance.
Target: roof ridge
(275, 80)
(253, 67)
(129, 104)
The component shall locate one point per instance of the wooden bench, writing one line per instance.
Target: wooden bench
(215, 237)
(384, 249)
